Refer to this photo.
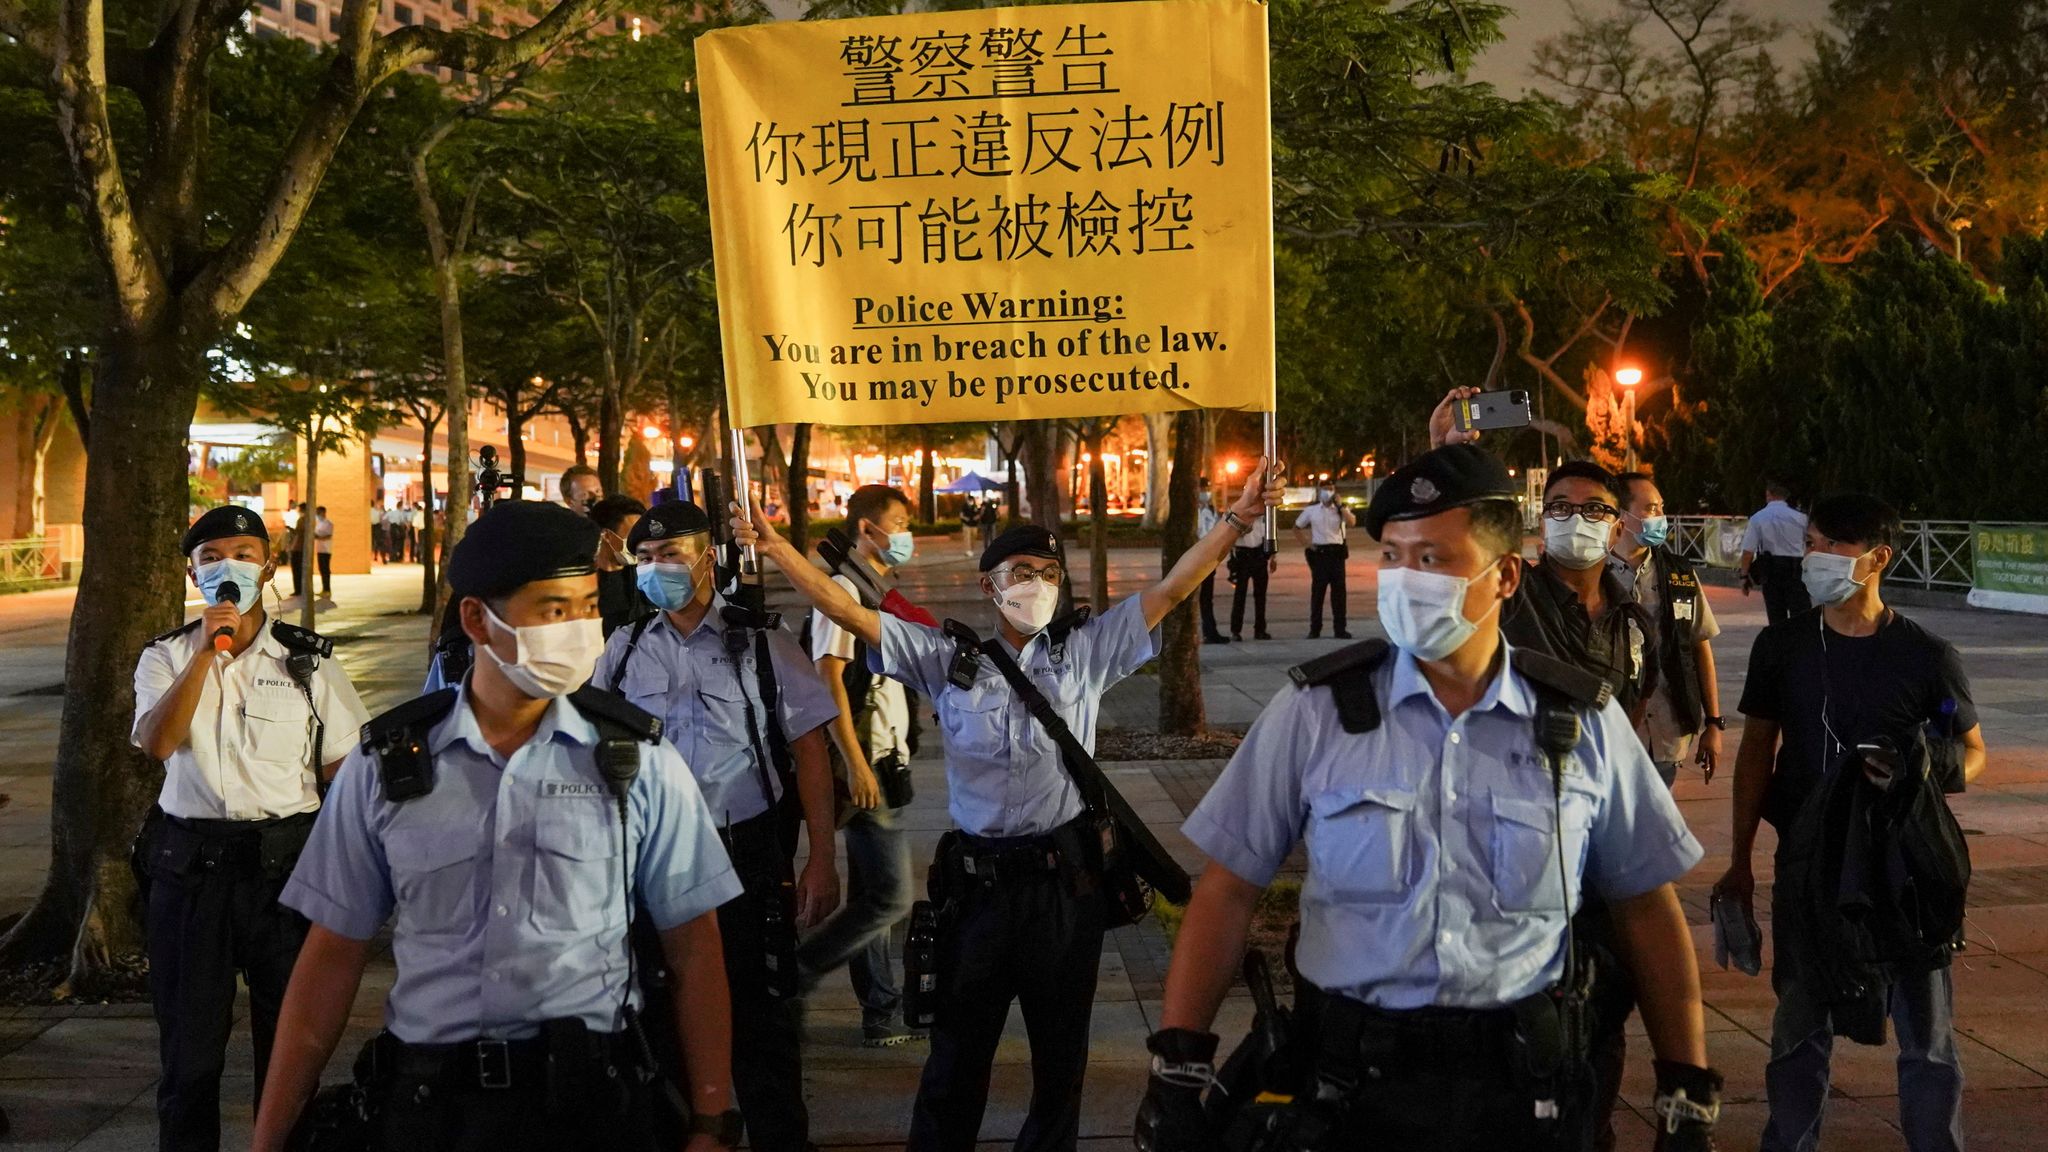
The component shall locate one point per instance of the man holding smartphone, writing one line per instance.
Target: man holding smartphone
(1822, 683)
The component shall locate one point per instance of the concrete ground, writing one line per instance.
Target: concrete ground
(83, 1077)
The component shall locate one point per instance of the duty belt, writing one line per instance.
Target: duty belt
(993, 860)
(1379, 1041)
(494, 1065)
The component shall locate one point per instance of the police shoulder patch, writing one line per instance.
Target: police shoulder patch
(1365, 655)
(180, 630)
(301, 639)
(411, 714)
(602, 707)
(1575, 683)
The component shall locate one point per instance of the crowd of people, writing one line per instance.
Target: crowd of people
(583, 837)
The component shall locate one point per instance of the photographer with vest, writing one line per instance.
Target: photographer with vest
(1687, 701)
(511, 829)
(1025, 882)
(744, 706)
(1457, 796)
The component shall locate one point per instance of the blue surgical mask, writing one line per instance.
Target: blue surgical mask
(902, 546)
(1653, 531)
(670, 587)
(247, 578)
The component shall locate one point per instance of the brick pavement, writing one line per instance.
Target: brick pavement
(82, 1078)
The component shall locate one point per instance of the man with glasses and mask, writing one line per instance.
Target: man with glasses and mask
(249, 718)
(1820, 684)
(511, 828)
(1432, 781)
(1030, 924)
(1687, 702)
(755, 740)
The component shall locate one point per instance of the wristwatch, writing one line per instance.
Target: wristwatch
(1243, 527)
(725, 1127)
(1718, 722)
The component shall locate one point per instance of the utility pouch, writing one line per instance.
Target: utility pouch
(580, 1078)
(893, 773)
(1539, 1039)
(173, 852)
(1125, 897)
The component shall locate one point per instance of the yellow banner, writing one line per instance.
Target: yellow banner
(1003, 214)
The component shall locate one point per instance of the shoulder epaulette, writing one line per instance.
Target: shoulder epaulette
(1348, 673)
(735, 616)
(1365, 655)
(411, 714)
(1071, 620)
(180, 630)
(604, 708)
(1576, 684)
(302, 640)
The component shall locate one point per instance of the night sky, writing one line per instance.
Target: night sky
(1507, 64)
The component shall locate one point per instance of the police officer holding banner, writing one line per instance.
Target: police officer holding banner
(237, 709)
(512, 825)
(1028, 895)
(747, 710)
(1457, 797)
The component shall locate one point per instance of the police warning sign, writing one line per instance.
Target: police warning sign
(1002, 214)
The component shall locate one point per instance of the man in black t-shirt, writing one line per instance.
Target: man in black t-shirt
(1820, 683)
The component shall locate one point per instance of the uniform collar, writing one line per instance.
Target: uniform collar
(561, 720)
(1507, 690)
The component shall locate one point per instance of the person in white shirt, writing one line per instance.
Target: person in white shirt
(1206, 517)
(1773, 545)
(323, 548)
(1251, 563)
(249, 719)
(1320, 528)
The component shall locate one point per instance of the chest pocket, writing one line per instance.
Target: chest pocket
(576, 881)
(646, 685)
(1361, 844)
(1525, 850)
(974, 720)
(432, 876)
(277, 729)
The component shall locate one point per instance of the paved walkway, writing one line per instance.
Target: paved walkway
(83, 1078)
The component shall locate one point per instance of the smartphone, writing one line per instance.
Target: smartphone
(1492, 410)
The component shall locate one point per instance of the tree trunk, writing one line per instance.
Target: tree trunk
(1158, 427)
(1180, 648)
(429, 580)
(927, 477)
(37, 426)
(1098, 516)
(798, 490)
(1042, 471)
(309, 523)
(609, 423)
(455, 410)
(515, 440)
(136, 505)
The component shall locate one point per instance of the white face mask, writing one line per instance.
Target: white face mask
(1029, 606)
(1577, 543)
(553, 659)
(1424, 612)
(1829, 579)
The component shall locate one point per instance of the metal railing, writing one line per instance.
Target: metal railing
(26, 564)
(1934, 555)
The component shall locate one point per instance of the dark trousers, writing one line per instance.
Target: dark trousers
(1325, 574)
(1613, 1000)
(879, 892)
(767, 1035)
(1784, 593)
(1034, 940)
(326, 573)
(1252, 573)
(205, 927)
(507, 1120)
(1207, 600)
(298, 573)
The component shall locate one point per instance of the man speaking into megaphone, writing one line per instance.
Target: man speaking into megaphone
(237, 708)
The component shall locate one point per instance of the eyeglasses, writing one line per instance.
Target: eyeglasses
(1007, 578)
(1592, 510)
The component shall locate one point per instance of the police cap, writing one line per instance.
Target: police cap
(518, 542)
(668, 521)
(221, 523)
(1453, 476)
(1023, 540)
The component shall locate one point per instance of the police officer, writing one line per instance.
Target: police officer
(756, 744)
(509, 824)
(237, 708)
(1031, 923)
(1435, 970)
(1320, 528)
(1773, 544)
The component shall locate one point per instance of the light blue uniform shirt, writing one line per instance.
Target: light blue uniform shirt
(1432, 859)
(1777, 529)
(506, 877)
(702, 697)
(1002, 769)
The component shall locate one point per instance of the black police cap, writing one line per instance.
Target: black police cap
(518, 542)
(668, 521)
(1453, 476)
(1023, 540)
(221, 523)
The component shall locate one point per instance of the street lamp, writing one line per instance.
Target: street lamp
(1628, 378)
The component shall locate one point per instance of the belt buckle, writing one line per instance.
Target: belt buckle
(493, 1064)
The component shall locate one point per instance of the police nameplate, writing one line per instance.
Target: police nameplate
(569, 789)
